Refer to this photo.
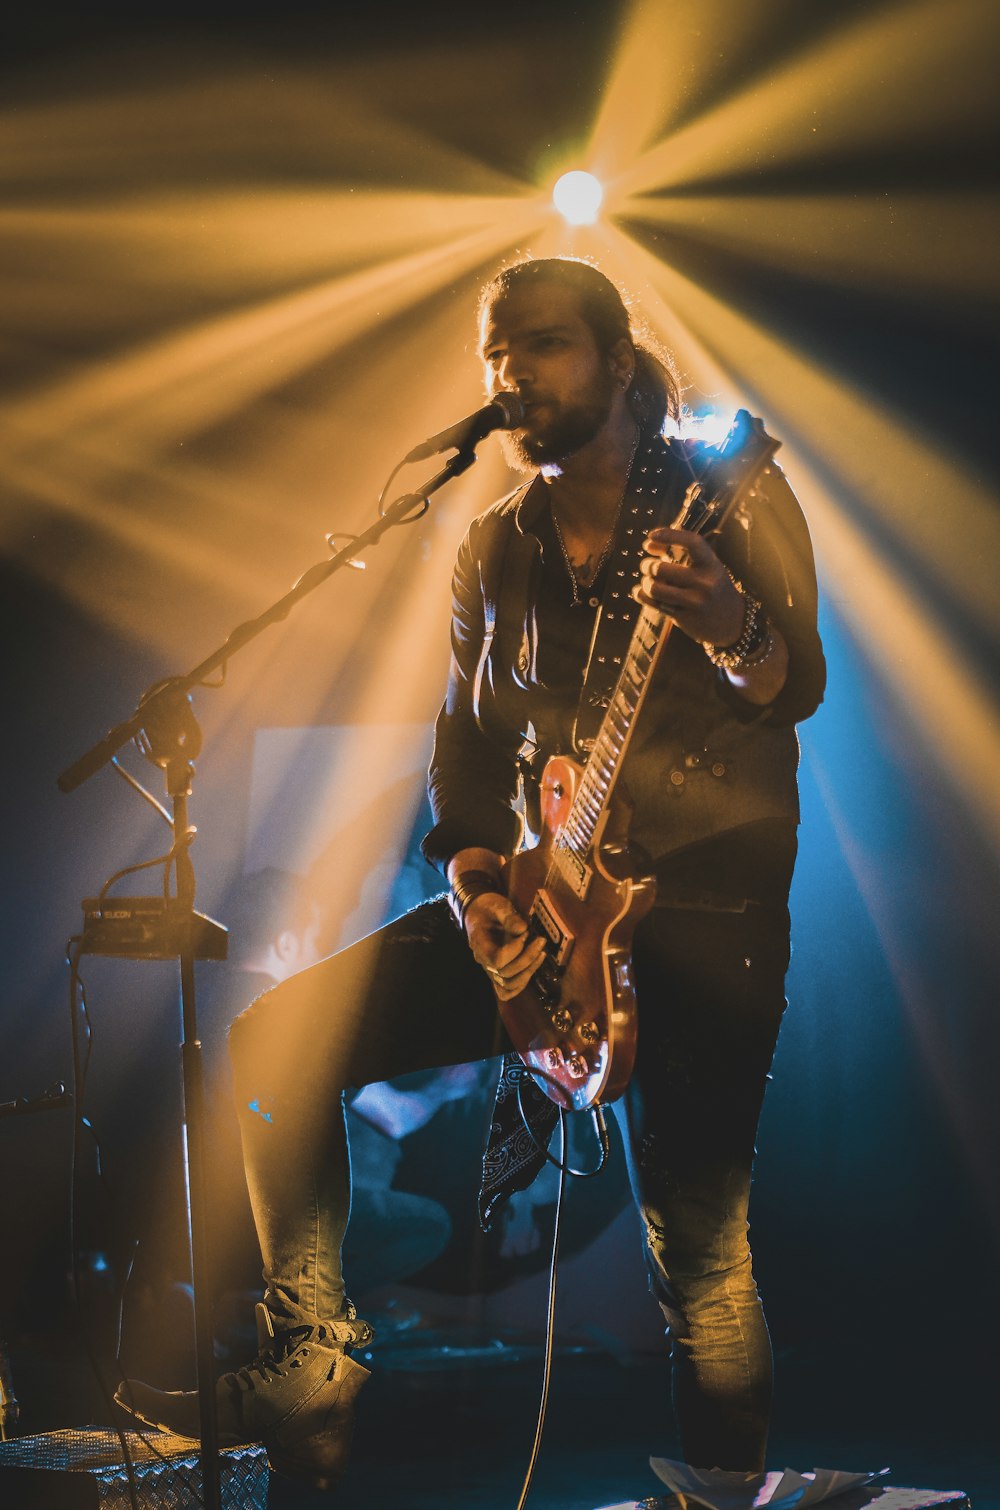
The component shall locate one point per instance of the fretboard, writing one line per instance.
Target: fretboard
(574, 846)
(721, 485)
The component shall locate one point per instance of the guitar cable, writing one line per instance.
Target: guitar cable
(551, 1316)
(600, 1127)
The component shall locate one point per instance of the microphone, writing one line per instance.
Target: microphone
(504, 412)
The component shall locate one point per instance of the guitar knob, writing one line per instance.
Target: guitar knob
(561, 1020)
(589, 1032)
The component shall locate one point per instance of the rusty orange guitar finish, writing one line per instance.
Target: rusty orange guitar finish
(575, 1028)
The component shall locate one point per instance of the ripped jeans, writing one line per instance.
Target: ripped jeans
(410, 997)
(715, 982)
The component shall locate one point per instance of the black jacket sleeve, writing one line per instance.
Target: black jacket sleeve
(473, 775)
(767, 547)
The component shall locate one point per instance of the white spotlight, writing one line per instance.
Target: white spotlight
(577, 196)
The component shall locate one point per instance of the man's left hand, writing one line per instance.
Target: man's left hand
(683, 577)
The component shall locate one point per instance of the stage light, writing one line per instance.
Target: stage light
(577, 196)
(708, 425)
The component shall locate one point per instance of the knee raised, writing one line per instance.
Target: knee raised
(254, 1033)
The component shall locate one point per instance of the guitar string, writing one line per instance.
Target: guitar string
(606, 753)
(580, 825)
(584, 828)
(576, 600)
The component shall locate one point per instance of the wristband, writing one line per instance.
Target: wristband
(469, 885)
(757, 655)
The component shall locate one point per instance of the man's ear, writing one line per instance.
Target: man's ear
(621, 360)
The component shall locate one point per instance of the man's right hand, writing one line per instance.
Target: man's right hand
(499, 939)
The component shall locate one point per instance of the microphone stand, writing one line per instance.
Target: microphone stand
(163, 724)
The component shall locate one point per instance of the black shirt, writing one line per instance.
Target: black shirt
(712, 777)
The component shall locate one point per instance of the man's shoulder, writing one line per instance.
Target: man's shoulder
(507, 506)
(500, 519)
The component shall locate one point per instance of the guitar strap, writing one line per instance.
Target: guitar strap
(660, 472)
(651, 499)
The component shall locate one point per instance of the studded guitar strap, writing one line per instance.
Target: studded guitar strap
(653, 496)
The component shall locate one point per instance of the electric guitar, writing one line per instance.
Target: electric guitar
(574, 1024)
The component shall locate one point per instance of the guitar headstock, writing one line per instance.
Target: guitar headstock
(725, 474)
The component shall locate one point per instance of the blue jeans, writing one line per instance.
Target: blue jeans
(410, 997)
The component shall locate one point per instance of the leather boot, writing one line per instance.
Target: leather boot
(296, 1397)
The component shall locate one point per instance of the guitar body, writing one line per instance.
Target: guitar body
(574, 1025)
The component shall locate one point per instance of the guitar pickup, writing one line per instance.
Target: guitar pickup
(544, 914)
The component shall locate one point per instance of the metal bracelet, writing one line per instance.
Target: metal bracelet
(752, 636)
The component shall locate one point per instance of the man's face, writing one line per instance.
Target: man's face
(535, 343)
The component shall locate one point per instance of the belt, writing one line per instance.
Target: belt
(691, 899)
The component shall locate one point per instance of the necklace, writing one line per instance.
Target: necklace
(574, 580)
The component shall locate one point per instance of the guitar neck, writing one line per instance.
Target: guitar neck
(600, 775)
(721, 486)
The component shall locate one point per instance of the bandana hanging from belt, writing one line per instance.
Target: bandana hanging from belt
(514, 1155)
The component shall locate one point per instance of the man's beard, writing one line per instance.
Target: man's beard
(569, 432)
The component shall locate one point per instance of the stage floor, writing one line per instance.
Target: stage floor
(450, 1422)
(463, 1438)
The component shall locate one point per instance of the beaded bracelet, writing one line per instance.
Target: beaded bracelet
(753, 636)
(469, 885)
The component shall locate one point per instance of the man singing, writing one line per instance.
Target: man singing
(711, 774)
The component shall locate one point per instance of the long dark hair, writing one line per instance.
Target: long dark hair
(654, 394)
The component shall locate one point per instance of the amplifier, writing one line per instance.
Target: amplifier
(84, 1470)
(149, 928)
